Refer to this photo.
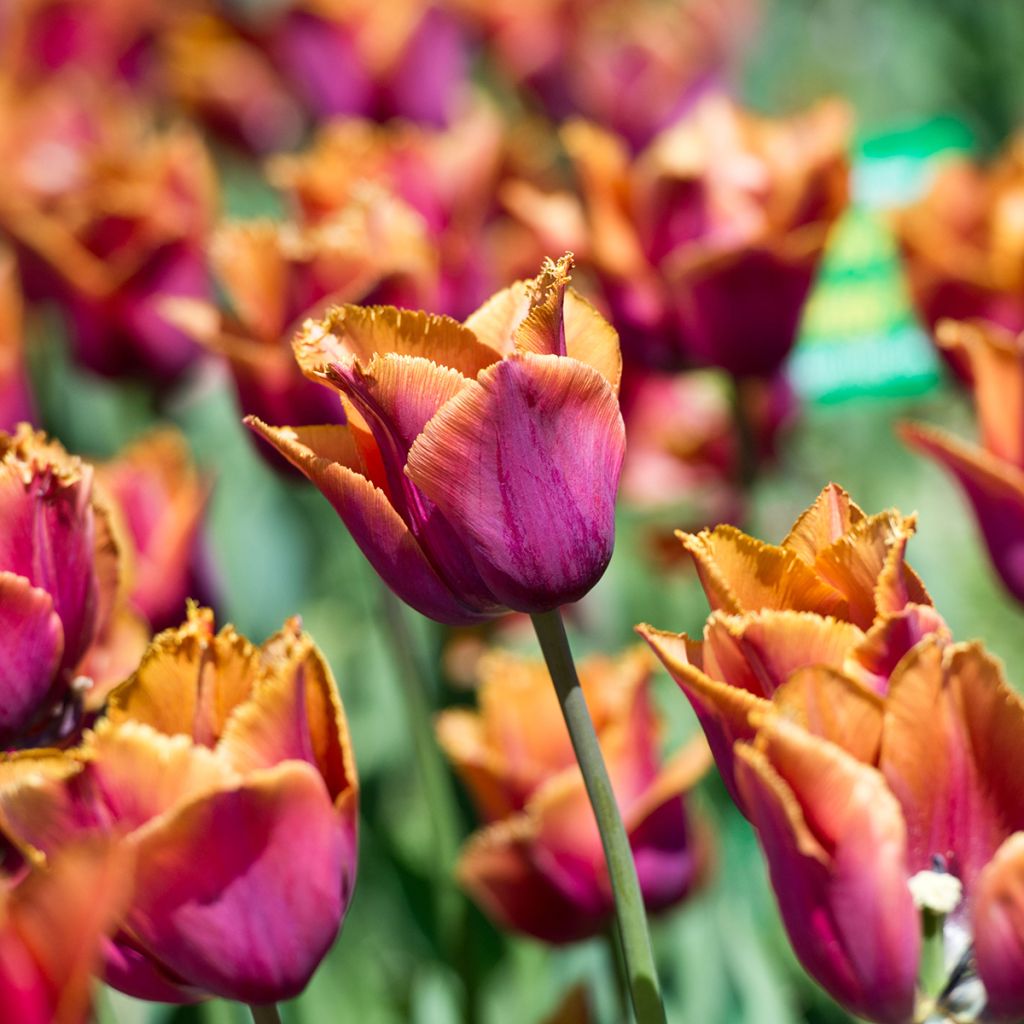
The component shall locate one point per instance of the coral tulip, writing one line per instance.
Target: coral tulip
(992, 474)
(226, 770)
(705, 246)
(963, 246)
(161, 499)
(60, 600)
(538, 866)
(479, 466)
(52, 924)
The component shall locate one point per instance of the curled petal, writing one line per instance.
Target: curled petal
(995, 490)
(526, 464)
(243, 890)
(831, 516)
(329, 458)
(30, 654)
(835, 844)
(998, 927)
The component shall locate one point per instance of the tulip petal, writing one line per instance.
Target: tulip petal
(139, 976)
(834, 707)
(33, 644)
(739, 574)
(759, 651)
(478, 765)
(995, 490)
(832, 515)
(189, 680)
(835, 844)
(328, 457)
(998, 929)
(242, 891)
(874, 658)
(526, 464)
(361, 332)
(935, 762)
(724, 711)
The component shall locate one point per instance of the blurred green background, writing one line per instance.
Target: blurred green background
(906, 65)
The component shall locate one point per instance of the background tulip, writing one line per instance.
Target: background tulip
(16, 403)
(538, 866)
(227, 772)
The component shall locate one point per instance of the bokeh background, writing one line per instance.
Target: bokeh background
(925, 80)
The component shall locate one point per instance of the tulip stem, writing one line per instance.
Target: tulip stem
(641, 974)
(746, 434)
(265, 1014)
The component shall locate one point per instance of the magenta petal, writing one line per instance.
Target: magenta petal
(133, 973)
(526, 462)
(30, 652)
(242, 891)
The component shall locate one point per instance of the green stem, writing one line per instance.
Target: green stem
(932, 972)
(641, 974)
(266, 1014)
(746, 436)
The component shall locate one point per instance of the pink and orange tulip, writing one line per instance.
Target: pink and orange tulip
(480, 461)
(537, 865)
(963, 246)
(160, 498)
(990, 474)
(53, 922)
(66, 635)
(706, 244)
(226, 771)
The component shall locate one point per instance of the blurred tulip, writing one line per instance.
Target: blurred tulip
(111, 228)
(161, 499)
(963, 245)
(992, 474)
(479, 465)
(538, 866)
(226, 771)
(448, 177)
(706, 245)
(65, 632)
(53, 922)
(837, 592)
(633, 68)
(274, 274)
(15, 395)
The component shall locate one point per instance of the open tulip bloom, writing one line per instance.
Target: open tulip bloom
(873, 756)
(226, 771)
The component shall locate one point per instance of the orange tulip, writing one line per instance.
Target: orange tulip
(537, 866)
(15, 395)
(226, 770)
(991, 474)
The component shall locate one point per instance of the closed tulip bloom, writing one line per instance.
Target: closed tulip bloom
(837, 592)
(160, 497)
(65, 633)
(537, 866)
(991, 474)
(52, 925)
(480, 461)
(706, 244)
(226, 771)
(963, 246)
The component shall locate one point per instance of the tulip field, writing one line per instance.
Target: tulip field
(511, 512)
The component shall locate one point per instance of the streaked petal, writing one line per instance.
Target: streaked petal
(831, 516)
(526, 464)
(327, 456)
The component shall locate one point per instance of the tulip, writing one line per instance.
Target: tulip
(65, 633)
(719, 224)
(837, 593)
(275, 274)
(15, 394)
(962, 245)
(160, 498)
(449, 177)
(53, 923)
(226, 771)
(114, 229)
(991, 474)
(537, 866)
(436, 473)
